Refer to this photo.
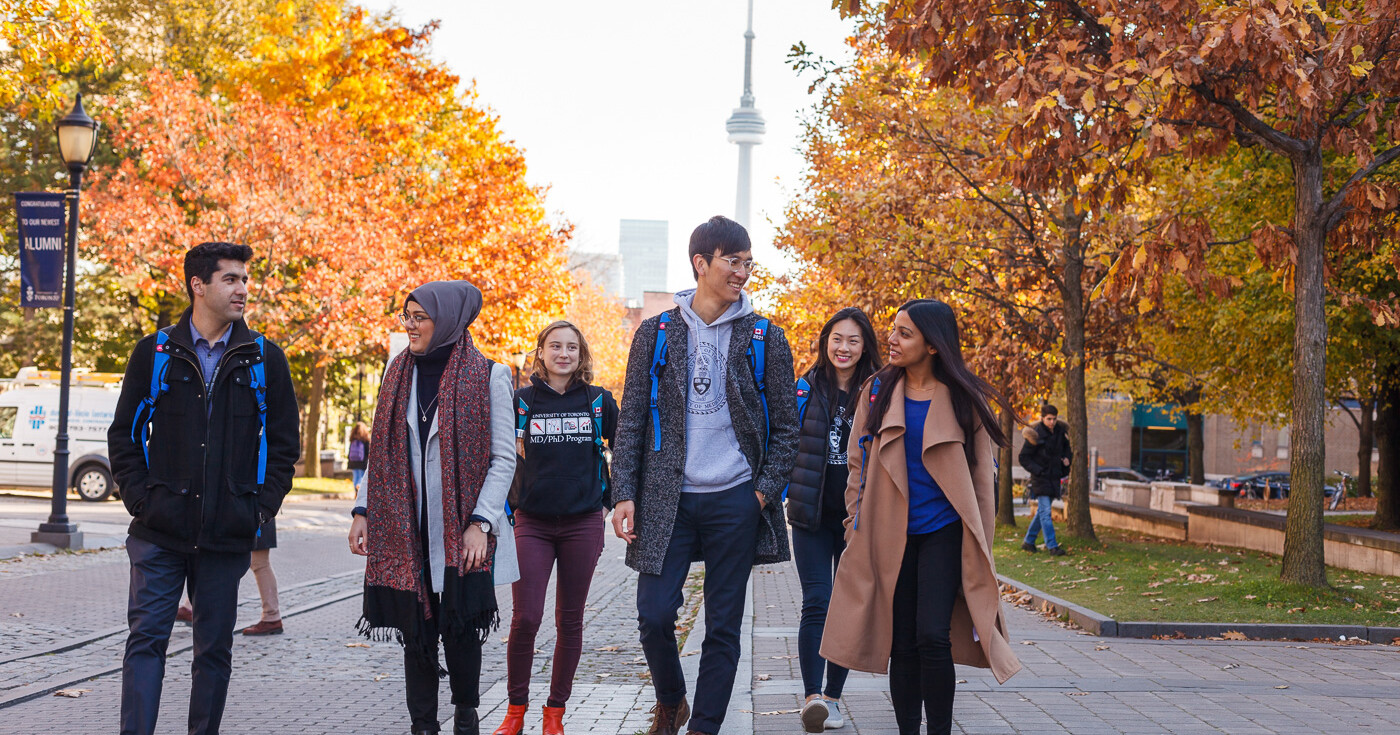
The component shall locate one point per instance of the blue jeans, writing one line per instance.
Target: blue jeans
(816, 554)
(157, 576)
(722, 529)
(355, 477)
(1040, 521)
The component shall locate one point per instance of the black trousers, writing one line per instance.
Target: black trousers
(421, 675)
(921, 654)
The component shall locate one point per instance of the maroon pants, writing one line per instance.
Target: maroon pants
(575, 542)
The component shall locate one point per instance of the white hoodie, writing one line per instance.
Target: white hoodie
(713, 460)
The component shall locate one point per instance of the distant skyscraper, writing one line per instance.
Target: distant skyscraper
(746, 129)
(642, 243)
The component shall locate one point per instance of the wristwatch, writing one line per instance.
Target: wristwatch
(482, 523)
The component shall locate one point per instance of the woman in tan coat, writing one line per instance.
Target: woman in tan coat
(916, 590)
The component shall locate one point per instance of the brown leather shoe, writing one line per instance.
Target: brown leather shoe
(264, 627)
(668, 719)
(184, 614)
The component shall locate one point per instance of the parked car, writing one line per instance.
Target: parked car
(29, 427)
(1269, 483)
(1117, 473)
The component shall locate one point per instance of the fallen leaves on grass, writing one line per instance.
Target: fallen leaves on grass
(1208, 599)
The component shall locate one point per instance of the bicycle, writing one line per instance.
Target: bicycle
(1339, 495)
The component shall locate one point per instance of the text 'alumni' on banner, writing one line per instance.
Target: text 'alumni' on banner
(41, 217)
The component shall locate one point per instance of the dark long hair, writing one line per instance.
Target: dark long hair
(971, 395)
(866, 366)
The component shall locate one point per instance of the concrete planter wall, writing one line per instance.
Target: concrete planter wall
(1358, 549)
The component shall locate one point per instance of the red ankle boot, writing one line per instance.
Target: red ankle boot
(514, 723)
(553, 720)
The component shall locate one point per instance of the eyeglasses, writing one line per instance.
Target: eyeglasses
(413, 320)
(737, 265)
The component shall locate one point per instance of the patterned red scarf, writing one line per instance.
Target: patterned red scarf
(396, 595)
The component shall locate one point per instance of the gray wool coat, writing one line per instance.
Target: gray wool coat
(652, 479)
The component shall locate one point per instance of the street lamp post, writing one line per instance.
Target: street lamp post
(77, 140)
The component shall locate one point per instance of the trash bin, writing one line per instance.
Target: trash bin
(327, 463)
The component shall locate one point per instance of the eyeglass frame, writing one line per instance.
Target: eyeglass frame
(750, 266)
(405, 318)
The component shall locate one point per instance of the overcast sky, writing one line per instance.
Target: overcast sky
(620, 106)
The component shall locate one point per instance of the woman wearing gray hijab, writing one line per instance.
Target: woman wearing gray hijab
(430, 512)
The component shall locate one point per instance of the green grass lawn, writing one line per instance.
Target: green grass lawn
(320, 486)
(1355, 520)
(1130, 577)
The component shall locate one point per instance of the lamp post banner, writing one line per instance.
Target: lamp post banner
(41, 217)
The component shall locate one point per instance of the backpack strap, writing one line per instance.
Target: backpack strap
(658, 361)
(758, 360)
(595, 405)
(145, 413)
(522, 417)
(865, 442)
(258, 382)
(804, 394)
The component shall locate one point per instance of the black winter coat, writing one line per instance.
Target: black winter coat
(201, 491)
(1043, 457)
(804, 495)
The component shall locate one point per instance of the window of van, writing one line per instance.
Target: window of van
(7, 421)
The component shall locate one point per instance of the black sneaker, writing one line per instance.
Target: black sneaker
(1057, 551)
(1028, 546)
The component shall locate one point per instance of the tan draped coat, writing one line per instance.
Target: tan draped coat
(859, 622)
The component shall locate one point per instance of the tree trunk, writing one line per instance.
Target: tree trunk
(1303, 561)
(1078, 521)
(1196, 447)
(1006, 511)
(1388, 444)
(311, 436)
(1366, 432)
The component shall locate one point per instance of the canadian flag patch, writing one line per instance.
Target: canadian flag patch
(757, 333)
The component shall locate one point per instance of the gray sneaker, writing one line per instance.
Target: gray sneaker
(834, 720)
(815, 714)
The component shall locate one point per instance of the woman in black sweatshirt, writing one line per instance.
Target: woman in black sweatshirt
(562, 423)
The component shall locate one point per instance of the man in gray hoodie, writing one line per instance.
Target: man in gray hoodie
(699, 466)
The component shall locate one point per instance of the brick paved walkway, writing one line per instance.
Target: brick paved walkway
(320, 678)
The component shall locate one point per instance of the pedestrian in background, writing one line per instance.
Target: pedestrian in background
(563, 422)
(357, 454)
(816, 496)
(431, 512)
(917, 590)
(1046, 456)
(203, 462)
(703, 454)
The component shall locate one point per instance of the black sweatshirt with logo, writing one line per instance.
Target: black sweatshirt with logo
(559, 474)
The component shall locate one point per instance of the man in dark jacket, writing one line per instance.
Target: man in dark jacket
(700, 477)
(198, 480)
(1045, 455)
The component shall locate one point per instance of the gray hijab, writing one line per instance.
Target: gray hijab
(452, 305)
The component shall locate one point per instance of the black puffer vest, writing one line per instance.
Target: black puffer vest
(804, 497)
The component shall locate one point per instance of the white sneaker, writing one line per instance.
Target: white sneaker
(815, 715)
(834, 720)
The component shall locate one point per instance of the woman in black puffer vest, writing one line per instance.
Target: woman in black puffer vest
(816, 498)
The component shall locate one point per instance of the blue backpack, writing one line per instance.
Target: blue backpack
(145, 413)
(804, 394)
(758, 359)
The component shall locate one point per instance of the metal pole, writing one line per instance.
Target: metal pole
(360, 394)
(58, 530)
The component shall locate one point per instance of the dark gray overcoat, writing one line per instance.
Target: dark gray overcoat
(652, 479)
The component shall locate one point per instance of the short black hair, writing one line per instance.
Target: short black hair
(202, 261)
(719, 233)
(1049, 410)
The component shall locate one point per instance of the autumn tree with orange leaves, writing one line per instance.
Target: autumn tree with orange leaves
(1314, 83)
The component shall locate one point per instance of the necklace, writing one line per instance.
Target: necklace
(424, 413)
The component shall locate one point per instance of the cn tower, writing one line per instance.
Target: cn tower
(745, 129)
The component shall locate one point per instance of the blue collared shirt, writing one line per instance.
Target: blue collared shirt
(209, 355)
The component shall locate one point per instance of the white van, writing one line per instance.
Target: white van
(29, 429)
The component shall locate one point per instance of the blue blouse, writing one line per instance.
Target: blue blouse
(929, 509)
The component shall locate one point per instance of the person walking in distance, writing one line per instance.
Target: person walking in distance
(702, 455)
(816, 496)
(917, 587)
(1046, 456)
(563, 422)
(357, 454)
(203, 443)
(431, 511)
